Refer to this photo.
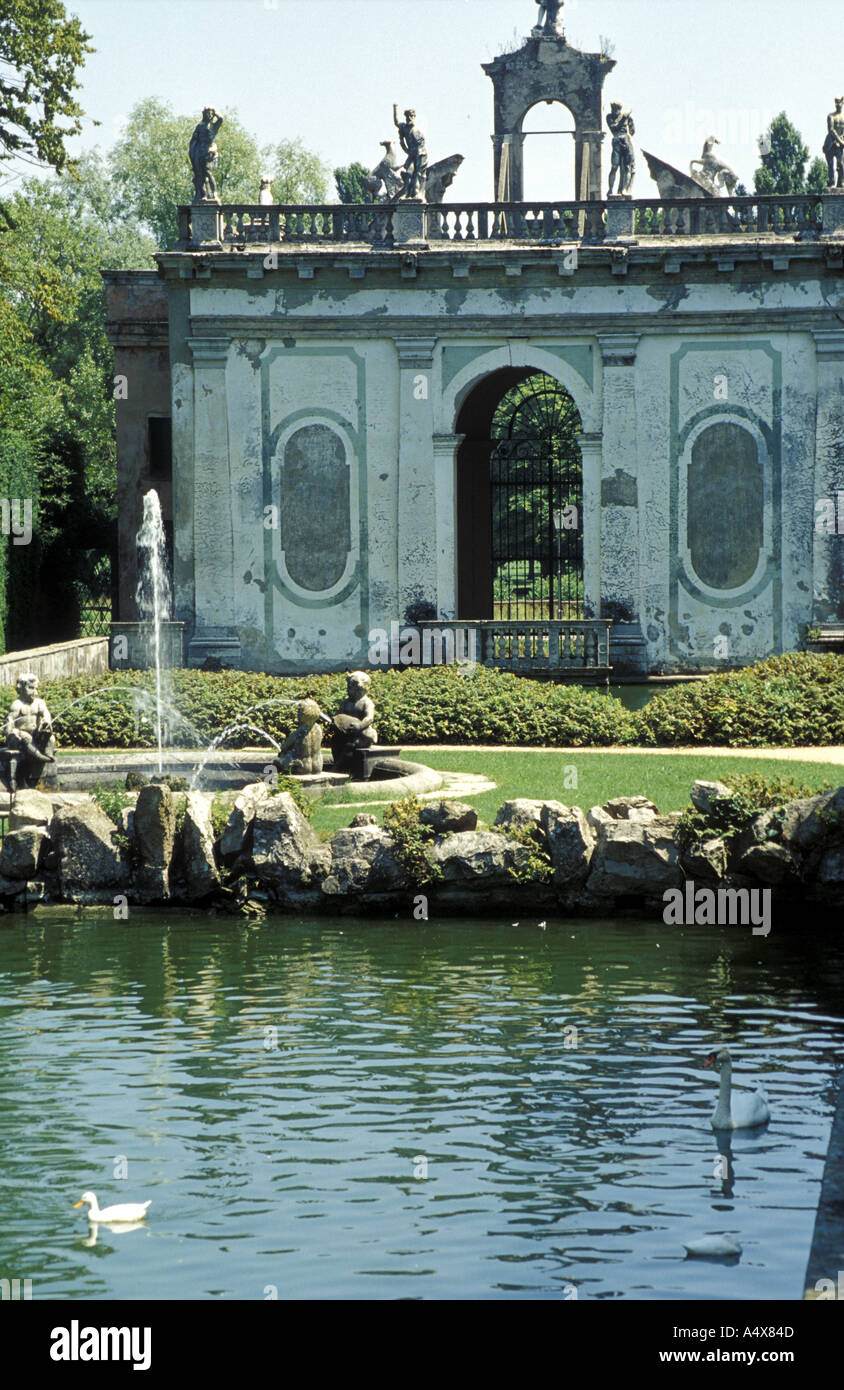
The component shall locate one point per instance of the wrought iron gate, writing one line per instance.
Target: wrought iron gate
(536, 482)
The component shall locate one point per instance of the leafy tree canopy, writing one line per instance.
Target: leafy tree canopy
(350, 184)
(784, 156)
(41, 50)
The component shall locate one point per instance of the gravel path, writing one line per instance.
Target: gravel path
(785, 755)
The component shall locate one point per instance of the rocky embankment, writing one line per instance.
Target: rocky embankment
(539, 855)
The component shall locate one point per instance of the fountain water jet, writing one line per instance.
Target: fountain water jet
(153, 594)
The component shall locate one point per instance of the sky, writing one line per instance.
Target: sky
(328, 72)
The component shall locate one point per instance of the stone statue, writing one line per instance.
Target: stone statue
(834, 144)
(354, 725)
(715, 175)
(29, 732)
(550, 18)
(621, 124)
(386, 175)
(413, 143)
(203, 156)
(265, 195)
(301, 751)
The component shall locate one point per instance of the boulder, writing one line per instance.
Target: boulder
(706, 794)
(286, 854)
(21, 852)
(89, 860)
(571, 842)
(759, 854)
(597, 819)
(520, 814)
(12, 888)
(480, 857)
(235, 838)
(811, 823)
(706, 862)
(829, 876)
(636, 808)
(363, 860)
(31, 808)
(449, 817)
(362, 818)
(154, 827)
(196, 870)
(634, 859)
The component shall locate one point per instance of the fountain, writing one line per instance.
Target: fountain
(154, 596)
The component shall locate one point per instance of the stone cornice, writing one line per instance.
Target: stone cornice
(829, 342)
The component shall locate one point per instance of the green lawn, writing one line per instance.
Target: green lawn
(599, 774)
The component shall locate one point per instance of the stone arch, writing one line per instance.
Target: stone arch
(548, 159)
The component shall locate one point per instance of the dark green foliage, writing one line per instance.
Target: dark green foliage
(538, 868)
(751, 793)
(351, 186)
(412, 841)
(783, 167)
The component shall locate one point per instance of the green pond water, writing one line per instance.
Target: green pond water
(348, 1109)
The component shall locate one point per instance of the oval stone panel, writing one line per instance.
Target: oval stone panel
(315, 507)
(725, 506)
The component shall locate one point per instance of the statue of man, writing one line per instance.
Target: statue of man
(203, 156)
(413, 143)
(834, 144)
(550, 18)
(29, 730)
(621, 124)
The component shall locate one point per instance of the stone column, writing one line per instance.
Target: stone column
(828, 548)
(591, 450)
(445, 492)
(417, 511)
(619, 563)
(215, 631)
(833, 212)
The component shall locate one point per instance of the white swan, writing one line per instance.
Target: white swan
(746, 1110)
(129, 1211)
(712, 1246)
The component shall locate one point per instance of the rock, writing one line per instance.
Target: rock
(235, 838)
(21, 852)
(89, 860)
(706, 794)
(363, 860)
(707, 862)
(571, 842)
(362, 818)
(829, 876)
(635, 859)
(286, 854)
(758, 854)
(154, 836)
(520, 814)
(808, 825)
(195, 867)
(12, 887)
(480, 857)
(449, 817)
(597, 819)
(31, 808)
(636, 808)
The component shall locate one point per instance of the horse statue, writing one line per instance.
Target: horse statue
(712, 172)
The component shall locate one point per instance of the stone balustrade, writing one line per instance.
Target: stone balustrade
(539, 223)
(530, 645)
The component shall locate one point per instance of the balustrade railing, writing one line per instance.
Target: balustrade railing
(533, 645)
(533, 223)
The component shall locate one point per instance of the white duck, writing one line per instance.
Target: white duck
(746, 1110)
(125, 1212)
(711, 1247)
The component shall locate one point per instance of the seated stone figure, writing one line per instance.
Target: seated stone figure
(29, 732)
(354, 726)
(301, 751)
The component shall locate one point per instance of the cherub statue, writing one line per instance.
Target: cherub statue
(203, 156)
(354, 725)
(29, 731)
(621, 124)
(301, 751)
(834, 144)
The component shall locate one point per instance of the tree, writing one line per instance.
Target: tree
(298, 175)
(41, 49)
(351, 185)
(784, 156)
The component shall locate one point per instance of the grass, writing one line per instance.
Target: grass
(600, 775)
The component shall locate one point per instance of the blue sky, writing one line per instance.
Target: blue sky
(328, 71)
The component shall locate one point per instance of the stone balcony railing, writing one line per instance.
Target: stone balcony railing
(385, 225)
(578, 648)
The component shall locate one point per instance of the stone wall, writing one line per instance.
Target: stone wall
(85, 656)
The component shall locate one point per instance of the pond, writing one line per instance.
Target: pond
(348, 1109)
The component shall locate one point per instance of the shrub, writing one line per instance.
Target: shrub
(750, 794)
(412, 840)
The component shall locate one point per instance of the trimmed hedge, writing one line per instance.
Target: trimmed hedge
(797, 699)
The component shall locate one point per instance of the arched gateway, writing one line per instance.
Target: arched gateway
(519, 500)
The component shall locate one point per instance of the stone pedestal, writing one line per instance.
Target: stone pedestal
(207, 225)
(621, 216)
(410, 223)
(833, 212)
